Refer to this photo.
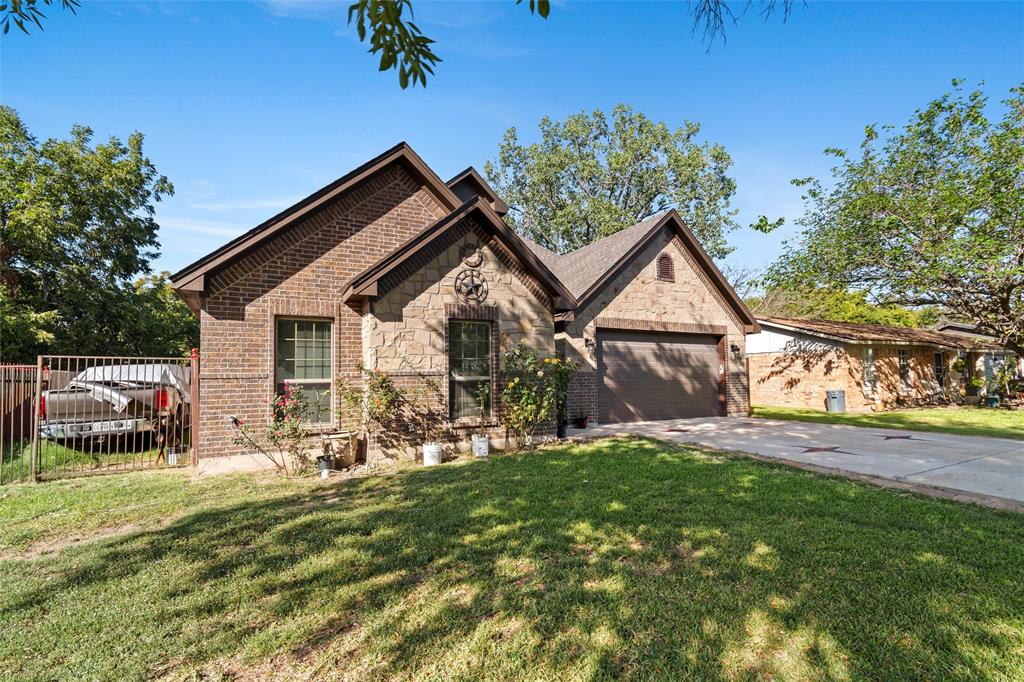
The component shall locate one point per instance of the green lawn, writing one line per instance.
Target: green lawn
(969, 421)
(626, 558)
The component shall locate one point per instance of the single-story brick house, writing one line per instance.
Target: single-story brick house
(793, 362)
(422, 279)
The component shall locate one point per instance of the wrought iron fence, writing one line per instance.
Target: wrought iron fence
(73, 415)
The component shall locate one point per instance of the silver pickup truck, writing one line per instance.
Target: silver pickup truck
(110, 400)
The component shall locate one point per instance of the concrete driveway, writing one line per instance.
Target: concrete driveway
(979, 466)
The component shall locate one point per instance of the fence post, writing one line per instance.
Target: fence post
(194, 408)
(33, 473)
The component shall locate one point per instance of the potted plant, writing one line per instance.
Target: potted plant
(973, 388)
(429, 407)
(580, 420)
(481, 440)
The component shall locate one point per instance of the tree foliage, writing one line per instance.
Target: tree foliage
(930, 214)
(590, 176)
(76, 232)
(25, 13)
(836, 304)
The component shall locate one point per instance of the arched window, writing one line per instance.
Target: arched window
(666, 271)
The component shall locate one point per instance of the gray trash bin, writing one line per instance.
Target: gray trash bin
(835, 400)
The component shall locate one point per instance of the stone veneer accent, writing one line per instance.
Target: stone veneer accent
(637, 299)
(406, 330)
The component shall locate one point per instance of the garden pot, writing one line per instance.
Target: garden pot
(580, 423)
(323, 463)
(431, 454)
(992, 400)
(481, 445)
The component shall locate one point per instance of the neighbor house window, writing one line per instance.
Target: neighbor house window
(940, 369)
(905, 369)
(469, 368)
(666, 270)
(869, 371)
(302, 356)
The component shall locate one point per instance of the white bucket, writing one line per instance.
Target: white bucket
(481, 445)
(172, 457)
(431, 454)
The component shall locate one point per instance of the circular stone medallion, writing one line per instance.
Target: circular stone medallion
(471, 286)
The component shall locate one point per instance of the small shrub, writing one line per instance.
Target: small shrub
(283, 441)
(534, 391)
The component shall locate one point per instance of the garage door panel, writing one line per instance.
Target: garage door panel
(648, 376)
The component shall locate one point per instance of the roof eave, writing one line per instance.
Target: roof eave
(400, 153)
(365, 284)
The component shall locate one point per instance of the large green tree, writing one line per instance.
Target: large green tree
(929, 214)
(836, 304)
(591, 175)
(76, 231)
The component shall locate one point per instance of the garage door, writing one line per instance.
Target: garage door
(647, 375)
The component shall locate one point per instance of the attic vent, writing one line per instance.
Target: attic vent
(666, 271)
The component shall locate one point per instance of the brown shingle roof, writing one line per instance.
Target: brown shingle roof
(858, 331)
(580, 269)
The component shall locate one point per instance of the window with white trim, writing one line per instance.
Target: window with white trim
(302, 356)
(940, 369)
(905, 369)
(868, 371)
(469, 368)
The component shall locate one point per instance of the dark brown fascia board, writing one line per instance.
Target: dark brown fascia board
(672, 217)
(400, 153)
(497, 203)
(365, 284)
(857, 342)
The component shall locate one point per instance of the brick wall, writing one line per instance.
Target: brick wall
(799, 377)
(636, 293)
(302, 273)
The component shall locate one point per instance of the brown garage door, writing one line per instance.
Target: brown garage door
(647, 375)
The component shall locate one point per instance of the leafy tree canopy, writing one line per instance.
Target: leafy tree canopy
(928, 215)
(839, 305)
(590, 176)
(76, 230)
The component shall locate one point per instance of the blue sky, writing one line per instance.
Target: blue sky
(248, 107)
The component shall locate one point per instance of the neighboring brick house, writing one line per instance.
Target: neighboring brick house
(422, 279)
(792, 362)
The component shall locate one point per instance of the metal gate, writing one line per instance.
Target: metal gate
(72, 415)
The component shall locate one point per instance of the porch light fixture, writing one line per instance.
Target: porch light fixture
(735, 348)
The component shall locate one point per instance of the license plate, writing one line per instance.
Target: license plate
(105, 427)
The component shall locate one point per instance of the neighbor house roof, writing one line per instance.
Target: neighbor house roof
(585, 270)
(857, 332)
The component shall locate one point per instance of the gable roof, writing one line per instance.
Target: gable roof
(365, 283)
(585, 270)
(858, 332)
(469, 183)
(191, 277)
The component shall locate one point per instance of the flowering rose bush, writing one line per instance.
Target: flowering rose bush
(534, 390)
(283, 441)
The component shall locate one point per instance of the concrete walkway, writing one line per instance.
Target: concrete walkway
(971, 464)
